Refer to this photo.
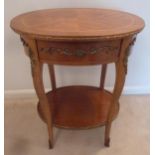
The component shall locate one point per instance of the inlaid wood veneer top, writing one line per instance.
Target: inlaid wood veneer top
(77, 23)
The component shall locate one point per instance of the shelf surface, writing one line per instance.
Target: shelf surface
(79, 106)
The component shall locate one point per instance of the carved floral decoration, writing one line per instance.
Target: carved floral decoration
(79, 52)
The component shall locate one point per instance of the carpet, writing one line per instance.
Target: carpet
(26, 134)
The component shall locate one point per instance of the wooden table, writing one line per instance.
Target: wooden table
(78, 37)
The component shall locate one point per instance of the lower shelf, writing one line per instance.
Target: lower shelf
(79, 106)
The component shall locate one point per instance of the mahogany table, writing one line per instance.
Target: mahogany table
(78, 37)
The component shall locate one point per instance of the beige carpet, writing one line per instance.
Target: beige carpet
(26, 134)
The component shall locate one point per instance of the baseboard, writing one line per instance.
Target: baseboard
(19, 94)
(30, 93)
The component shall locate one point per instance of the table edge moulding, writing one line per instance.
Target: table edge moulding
(78, 37)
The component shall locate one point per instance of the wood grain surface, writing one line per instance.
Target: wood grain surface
(79, 53)
(79, 106)
(77, 23)
(78, 37)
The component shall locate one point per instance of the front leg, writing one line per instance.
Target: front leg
(44, 105)
(120, 79)
(36, 69)
(121, 71)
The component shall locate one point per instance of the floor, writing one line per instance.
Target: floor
(26, 134)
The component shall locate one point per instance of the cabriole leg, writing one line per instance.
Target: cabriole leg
(121, 71)
(39, 87)
(120, 79)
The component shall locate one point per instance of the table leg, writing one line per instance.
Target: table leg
(103, 75)
(120, 79)
(36, 68)
(38, 84)
(52, 76)
(121, 71)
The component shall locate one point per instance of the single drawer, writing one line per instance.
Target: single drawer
(78, 53)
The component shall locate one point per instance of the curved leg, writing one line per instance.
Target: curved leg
(36, 68)
(120, 79)
(52, 76)
(103, 74)
(38, 84)
(121, 71)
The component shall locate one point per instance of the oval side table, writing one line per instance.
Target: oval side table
(78, 37)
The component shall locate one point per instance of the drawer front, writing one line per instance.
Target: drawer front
(78, 53)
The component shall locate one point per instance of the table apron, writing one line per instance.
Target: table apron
(78, 53)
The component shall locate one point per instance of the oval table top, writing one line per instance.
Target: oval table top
(77, 24)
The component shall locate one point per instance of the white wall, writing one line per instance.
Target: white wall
(17, 67)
